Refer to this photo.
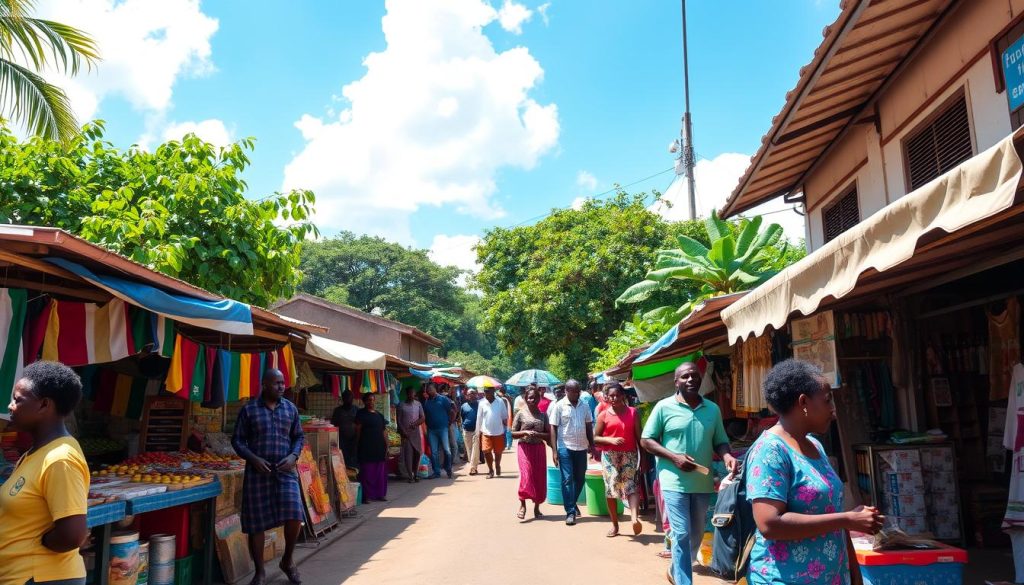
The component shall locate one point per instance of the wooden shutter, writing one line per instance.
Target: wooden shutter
(941, 145)
(841, 215)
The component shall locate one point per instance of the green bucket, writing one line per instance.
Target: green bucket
(596, 504)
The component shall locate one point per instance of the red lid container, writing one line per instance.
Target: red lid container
(943, 554)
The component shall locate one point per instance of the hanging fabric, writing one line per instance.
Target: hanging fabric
(337, 384)
(374, 382)
(756, 363)
(186, 377)
(13, 308)
(78, 333)
(114, 393)
(1003, 348)
(283, 359)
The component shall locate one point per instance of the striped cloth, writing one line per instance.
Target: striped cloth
(79, 334)
(214, 376)
(13, 307)
(114, 393)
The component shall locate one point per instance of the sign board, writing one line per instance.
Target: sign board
(814, 341)
(1013, 73)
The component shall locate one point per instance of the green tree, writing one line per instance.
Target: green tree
(548, 287)
(180, 209)
(28, 46)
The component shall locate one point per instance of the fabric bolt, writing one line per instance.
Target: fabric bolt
(620, 474)
(1013, 440)
(373, 447)
(686, 516)
(571, 420)
(533, 472)
(621, 426)
(807, 486)
(80, 333)
(47, 484)
(572, 466)
(440, 448)
(373, 476)
(491, 417)
(1004, 348)
(13, 312)
(693, 431)
(269, 500)
(437, 411)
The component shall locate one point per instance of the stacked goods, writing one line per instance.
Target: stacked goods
(903, 490)
(940, 484)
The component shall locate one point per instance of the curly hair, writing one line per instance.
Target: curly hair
(55, 381)
(787, 381)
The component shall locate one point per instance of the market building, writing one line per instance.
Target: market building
(166, 366)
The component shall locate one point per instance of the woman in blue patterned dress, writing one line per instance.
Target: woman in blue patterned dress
(796, 495)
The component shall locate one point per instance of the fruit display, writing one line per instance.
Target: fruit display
(95, 446)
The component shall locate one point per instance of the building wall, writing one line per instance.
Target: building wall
(958, 57)
(346, 328)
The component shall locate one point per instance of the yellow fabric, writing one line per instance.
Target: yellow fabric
(48, 484)
(174, 379)
(978, 189)
(50, 337)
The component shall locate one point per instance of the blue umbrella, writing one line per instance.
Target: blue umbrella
(539, 377)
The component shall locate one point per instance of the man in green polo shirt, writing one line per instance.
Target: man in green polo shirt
(683, 432)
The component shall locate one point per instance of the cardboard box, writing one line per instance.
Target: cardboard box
(937, 459)
(943, 503)
(908, 482)
(900, 460)
(233, 550)
(946, 526)
(905, 505)
(940, 481)
(912, 525)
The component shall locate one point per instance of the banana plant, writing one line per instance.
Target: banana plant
(735, 262)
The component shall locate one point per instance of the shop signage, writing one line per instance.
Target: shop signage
(1013, 73)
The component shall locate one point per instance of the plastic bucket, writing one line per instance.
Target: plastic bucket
(183, 571)
(596, 504)
(359, 493)
(555, 488)
(143, 563)
(124, 559)
(162, 549)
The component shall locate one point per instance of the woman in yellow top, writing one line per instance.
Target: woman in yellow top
(43, 504)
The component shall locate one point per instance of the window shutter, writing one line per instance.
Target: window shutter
(939, 146)
(841, 215)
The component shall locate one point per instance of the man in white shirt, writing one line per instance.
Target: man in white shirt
(572, 437)
(491, 422)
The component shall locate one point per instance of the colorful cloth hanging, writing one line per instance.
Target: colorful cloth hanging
(284, 360)
(213, 376)
(186, 377)
(114, 393)
(336, 384)
(374, 382)
(13, 308)
(80, 333)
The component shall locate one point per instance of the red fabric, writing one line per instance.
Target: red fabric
(189, 355)
(533, 472)
(543, 404)
(619, 426)
(71, 343)
(105, 383)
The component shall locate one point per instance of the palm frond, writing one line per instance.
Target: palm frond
(43, 108)
(46, 42)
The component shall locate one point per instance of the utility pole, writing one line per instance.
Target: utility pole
(686, 155)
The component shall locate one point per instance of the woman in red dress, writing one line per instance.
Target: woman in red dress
(531, 428)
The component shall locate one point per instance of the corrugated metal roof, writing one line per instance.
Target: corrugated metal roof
(860, 51)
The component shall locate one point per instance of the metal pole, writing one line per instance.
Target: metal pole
(688, 154)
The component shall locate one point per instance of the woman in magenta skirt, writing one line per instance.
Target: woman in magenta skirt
(372, 439)
(530, 426)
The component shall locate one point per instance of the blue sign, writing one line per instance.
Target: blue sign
(1013, 73)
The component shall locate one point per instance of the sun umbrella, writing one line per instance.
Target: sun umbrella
(481, 382)
(539, 377)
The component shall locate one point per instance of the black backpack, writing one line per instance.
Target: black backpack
(734, 529)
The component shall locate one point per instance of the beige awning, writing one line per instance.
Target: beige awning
(346, 355)
(980, 188)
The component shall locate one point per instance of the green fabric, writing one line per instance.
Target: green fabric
(655, 369)
(695, 432)
(11, 359)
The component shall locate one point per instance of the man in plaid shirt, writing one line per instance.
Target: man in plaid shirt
(268, 435)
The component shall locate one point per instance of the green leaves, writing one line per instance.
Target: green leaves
(180, 209)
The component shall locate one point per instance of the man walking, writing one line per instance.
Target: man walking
(439, 412)
(491, 423)
(469, 434)
(572, 437)
(268, 435)
(683, 432)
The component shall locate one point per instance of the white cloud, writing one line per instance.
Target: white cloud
(145, 48)
(543, 11)
(437, 113)
(513, 15)
(579, 202)
(586, 180)
(212, 130)
(716, 178)
(456, 251)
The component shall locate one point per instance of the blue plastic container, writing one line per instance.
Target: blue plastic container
(943, 566)
(555, 488)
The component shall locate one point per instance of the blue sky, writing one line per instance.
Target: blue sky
(468, 115)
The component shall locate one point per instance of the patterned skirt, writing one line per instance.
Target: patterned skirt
(620, 468)
(533, 472)
(268, 501)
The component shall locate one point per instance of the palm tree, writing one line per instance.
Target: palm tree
(738, 260)
(27, 46)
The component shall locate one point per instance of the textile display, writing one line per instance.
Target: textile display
(346, 495)
(213, 376)
(873, 385)
(306, 377)
(225, 315)
(115, 393)
(13, 308)
(1003, 348)
(374, 382)
(755, 355)
(338, 384)
(78, 333)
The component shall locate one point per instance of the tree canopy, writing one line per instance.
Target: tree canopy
(549, 288)
(180, 209)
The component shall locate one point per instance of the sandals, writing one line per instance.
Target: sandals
(521, 514)
(292, 573)
(537, 513)
(637, 527)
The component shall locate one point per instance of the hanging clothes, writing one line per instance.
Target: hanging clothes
(13, 309)
(1003, 348)
(78, 334)
(755, 361)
